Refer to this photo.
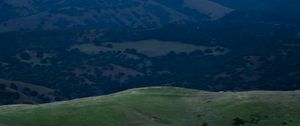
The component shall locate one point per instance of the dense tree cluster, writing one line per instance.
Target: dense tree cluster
(260, 58)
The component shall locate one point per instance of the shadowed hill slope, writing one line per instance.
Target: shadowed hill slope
(56, 14)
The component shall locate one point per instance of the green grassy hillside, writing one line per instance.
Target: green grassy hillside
(162, 106)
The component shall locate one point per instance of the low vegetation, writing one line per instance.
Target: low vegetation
(163, 106)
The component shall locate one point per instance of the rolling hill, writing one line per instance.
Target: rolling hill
(163, 106)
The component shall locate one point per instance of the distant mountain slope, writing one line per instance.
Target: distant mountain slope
(80, 48)
(163, 106)
(285, 8)
(56, 14)
(213, 10)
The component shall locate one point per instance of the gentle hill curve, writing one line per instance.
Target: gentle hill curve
(163, 106)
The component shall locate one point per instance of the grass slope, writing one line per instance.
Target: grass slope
(151, 48)
(162, 106)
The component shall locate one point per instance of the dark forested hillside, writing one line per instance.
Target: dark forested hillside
(53, 50)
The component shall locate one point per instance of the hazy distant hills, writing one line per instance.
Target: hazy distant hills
(279, 7)
(55, 14)
(107, 14)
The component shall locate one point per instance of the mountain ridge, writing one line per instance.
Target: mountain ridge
(33, 15)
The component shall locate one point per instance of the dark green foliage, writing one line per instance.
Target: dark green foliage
(25, 56)
(238, 122)
(8, 97)
(132, 51)
(43, 98)
(13, 86)
(33, 93)
(2, 87)
(204, 124)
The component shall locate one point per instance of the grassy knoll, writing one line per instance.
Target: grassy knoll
(163, 106)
